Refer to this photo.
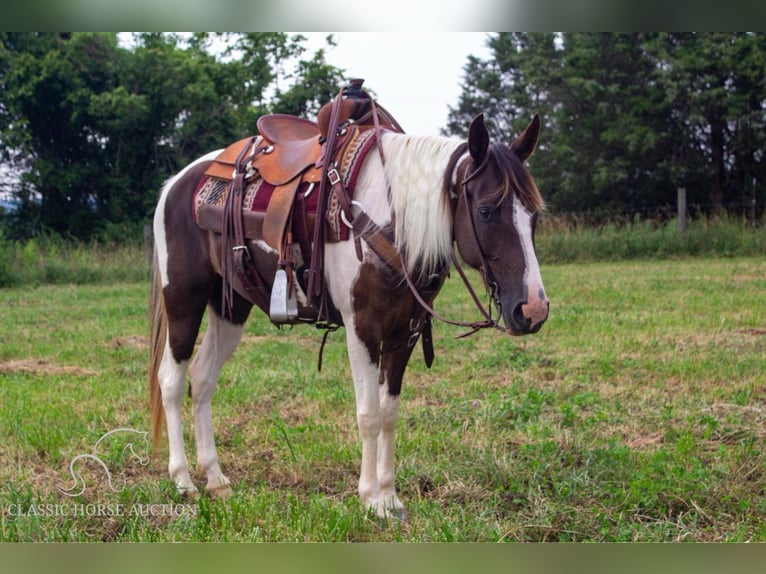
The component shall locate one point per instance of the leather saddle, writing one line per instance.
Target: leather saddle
(287, 152)
(288, 146)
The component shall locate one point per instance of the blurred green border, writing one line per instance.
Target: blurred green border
(383, 558)
(344, 15)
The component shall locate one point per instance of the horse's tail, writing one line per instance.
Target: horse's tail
(157, 349)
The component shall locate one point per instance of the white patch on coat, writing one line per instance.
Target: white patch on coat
(415, 171)
(160, 240)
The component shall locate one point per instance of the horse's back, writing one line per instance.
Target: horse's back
(177, 195)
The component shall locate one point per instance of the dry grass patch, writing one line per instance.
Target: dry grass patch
(42, 367)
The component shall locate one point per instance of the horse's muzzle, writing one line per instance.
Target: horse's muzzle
(527, 317)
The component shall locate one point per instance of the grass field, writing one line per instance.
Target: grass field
(638, 413)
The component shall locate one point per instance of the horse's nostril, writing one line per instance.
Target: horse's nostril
(521, 320)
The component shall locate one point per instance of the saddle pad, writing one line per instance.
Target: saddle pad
(212, 191)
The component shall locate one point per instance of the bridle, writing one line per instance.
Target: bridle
(484, 268)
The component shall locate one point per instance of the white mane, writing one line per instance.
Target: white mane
(415, 171)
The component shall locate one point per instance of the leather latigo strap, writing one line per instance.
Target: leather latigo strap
(235, 257)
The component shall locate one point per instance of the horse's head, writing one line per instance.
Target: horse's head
(498, 206)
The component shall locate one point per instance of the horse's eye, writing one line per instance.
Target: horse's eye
(486, 213)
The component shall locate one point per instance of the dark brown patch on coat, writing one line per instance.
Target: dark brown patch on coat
(385, 313)
(192, 281)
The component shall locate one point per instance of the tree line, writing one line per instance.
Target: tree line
(630, 117)
(91, 125)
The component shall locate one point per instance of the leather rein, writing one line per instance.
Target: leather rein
(484, 269)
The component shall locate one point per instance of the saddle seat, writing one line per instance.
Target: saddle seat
(295, 147)
(287, 129)
(289, 147)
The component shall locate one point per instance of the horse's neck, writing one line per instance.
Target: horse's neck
(415, 171)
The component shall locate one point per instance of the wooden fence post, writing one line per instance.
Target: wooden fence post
(752, 205)
(681, 209)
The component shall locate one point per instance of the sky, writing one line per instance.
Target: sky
(414, 75)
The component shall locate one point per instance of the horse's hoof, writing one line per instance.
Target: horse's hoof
(221, 492)
(388, 513)
(399, 514)
(188, 493)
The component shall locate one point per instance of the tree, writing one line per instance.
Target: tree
(628, 118)
(715, 85)
(100, 126)
(610, 119)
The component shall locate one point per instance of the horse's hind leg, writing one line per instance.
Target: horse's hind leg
(218, 344)
(182, 332)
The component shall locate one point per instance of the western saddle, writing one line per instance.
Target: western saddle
(294, 155)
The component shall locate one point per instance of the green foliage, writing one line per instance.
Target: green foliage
(118, 251)
(96, 127)
(630, 117)
(49, 259)
(560, 240)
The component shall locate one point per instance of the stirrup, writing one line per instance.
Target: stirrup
(284, 305)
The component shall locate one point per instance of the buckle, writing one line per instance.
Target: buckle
(333, 176)
(345, 219)
(242, 248)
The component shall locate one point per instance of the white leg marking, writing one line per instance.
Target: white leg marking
(389, 409)
(218, 344)
(172, 376)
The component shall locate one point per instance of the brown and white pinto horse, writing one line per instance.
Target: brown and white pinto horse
(430, 191)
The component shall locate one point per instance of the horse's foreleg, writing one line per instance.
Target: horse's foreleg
(218, 344)
(368, 416)
(393, 365)
(389, 409)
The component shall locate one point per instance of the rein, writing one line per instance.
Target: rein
(475, 326)
(489, 282)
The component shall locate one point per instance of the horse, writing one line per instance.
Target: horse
(430, 193)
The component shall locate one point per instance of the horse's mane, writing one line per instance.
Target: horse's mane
(415, 171)
(419, 170)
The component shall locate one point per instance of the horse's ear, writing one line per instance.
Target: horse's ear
(478, 139)
(525, 144)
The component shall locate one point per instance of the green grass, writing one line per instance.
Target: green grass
(117, 256)
(51, 260)
(563, 241)
(638, 413)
